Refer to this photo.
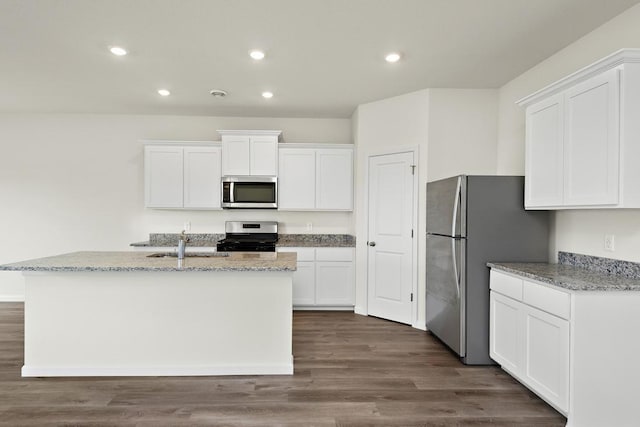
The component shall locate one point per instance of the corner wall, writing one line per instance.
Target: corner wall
(580, 231)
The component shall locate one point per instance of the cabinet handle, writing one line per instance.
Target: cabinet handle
(372, 243)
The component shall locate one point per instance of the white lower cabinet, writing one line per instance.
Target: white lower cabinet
(531, 344)
(324, 279)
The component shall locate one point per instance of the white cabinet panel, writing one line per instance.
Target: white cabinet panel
(182, 176)
(246, 152)
(334, 283)
(315, 178)
(324, 279)
(296, 179)
(202, 177)
(163, 167)
(581, 138)
(546, 356)
(334, 179)
(544, 169)
(591, 141)
(263, 156)
(505, 345)
(303, 283)
(235, 155)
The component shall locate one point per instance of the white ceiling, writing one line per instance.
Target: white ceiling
(324, 57)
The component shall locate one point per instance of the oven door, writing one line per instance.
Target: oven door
(250, 192)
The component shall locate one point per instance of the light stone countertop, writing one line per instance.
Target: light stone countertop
(285, 240)
(139, 261)
(569, 277)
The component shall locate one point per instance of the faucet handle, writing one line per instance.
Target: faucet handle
(184, 237)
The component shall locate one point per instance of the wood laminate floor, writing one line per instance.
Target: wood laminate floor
(350, 370)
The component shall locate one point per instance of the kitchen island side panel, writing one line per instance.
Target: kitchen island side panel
(157, 323)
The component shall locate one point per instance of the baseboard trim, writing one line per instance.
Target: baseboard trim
(322, 308)
(11, 298)
(157, 371)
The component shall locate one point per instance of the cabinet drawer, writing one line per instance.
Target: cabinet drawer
(304, 254)
(334, 254)
(506, 285)
(547, 299)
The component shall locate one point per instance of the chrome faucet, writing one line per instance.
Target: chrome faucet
(182, 244)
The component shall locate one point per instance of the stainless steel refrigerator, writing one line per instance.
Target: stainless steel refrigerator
(472, 220)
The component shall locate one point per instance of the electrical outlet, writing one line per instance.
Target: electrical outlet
(186, 226)
(609, 242)
(309, 226)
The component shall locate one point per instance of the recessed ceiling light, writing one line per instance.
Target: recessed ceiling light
(118, 51)
(256, 54)
(164, 92)
(218, 93)
(267, 95)
(392, 57)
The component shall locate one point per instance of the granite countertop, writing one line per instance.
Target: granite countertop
(571, 277)
(284, 240)
(139, 261)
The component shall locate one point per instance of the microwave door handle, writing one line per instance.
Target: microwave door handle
(231, 191)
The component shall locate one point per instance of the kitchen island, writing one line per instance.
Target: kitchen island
(127, 314)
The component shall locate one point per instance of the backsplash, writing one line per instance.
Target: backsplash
(603, 265)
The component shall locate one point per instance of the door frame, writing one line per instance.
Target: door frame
(415, 149)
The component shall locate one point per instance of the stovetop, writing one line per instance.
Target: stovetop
(239, 237)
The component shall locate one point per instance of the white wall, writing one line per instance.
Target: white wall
(75, 182)
(463, 129)
(580, 231)
(455, 131)
(381, 126)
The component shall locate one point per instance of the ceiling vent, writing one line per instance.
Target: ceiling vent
(218, 93)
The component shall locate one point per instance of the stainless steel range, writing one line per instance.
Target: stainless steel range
(249, 236)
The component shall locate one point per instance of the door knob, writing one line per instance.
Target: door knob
(372, 243)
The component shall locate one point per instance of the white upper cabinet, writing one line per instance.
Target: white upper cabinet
(334, 179)
(202, 177)
(182, 176)
(581, 138)
(163, 167)
(297, 179)
(315, 177)
(247, 152)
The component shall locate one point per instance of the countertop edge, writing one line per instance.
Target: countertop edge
(570, 278)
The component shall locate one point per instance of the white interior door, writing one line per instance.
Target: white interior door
(390, 251)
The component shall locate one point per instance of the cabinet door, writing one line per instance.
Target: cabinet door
(202, 177)
(304, 284)
(334, 179)
(263, 156)
(591, 141)
(163, 169)
(334, 283)
(235, 155)
(505, 330)
(297, 179)
(546, 356)
(544, 154)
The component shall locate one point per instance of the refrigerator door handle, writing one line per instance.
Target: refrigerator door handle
(455, 266)
(456, 203)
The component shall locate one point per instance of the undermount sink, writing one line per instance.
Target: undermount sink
(189, 254)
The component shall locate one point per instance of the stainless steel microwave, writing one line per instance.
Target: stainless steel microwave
(249, 192)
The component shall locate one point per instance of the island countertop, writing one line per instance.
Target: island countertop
(139, 261)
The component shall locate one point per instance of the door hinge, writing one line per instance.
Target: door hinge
(412, 233)
(413, 169)
(411, 296)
